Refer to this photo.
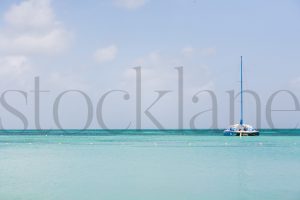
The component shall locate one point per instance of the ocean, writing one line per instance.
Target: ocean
(148, 164)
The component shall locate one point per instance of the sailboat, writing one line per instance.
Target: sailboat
(241, 129)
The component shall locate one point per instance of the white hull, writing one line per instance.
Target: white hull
(241, 133)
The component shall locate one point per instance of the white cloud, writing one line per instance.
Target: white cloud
(53, 42)
(188, 51)
(30, 13)
(15, 72)
(13, 65)
(31, 28)
(130, 4)
(106, 54)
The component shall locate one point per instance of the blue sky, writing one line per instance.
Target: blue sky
(93, 46)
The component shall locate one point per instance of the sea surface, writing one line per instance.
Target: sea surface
(148, 165)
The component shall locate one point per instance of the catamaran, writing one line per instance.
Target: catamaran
(241, 129)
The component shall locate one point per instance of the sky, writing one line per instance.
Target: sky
(96, 47)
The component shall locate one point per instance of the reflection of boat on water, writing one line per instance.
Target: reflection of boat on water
(241, 129)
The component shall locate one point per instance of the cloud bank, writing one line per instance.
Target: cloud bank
(31, 28)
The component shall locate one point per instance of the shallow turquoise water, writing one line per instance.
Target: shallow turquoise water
(154, 166)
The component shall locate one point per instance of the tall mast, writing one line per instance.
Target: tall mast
(241, 121)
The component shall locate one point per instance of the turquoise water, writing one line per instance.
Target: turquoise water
(149, 165)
